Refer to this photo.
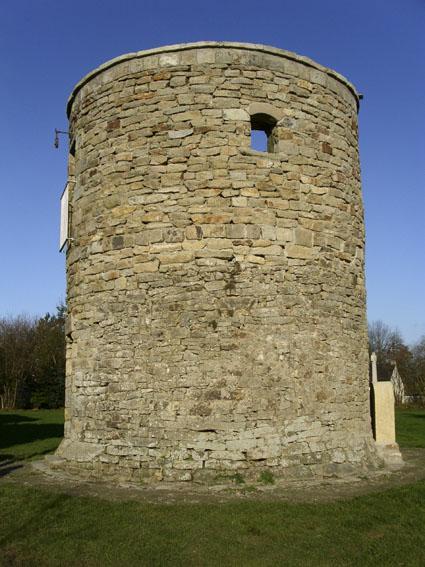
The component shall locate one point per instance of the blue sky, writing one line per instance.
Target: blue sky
(47, 46)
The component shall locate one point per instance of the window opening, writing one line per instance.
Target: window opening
(262, 132)
(259, 140)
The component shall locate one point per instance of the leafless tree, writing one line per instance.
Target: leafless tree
(417, 368)
(390, 350)
(383, 340)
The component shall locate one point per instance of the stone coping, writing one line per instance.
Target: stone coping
(208, 45)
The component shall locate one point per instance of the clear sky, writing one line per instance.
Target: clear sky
(46, 46)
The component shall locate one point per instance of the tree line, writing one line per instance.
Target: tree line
(32, 360)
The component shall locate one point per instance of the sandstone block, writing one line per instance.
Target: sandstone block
(194, 232)
(236, 231)
(303, 237)
(153, 216)
(239, 201)
(300, 252)
(193, 245)
(273, 250)
(175, 134)
(236, 114)
(176, 257)
(151, 266)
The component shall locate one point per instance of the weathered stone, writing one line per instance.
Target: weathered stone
(272, 250)
(303, 237)
(239, 201)
(193, 245)
(175, 257)
(147, 266)
(296, 251)
(153, 216)
(117, 242)
(194, 232)
(326, 148)
(236, 114)
(236, 231)
(215, 293)
(384, 420)
(174, 134)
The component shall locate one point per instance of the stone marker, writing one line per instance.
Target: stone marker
(384, 419)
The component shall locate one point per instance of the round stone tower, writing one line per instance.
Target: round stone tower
(216, 298)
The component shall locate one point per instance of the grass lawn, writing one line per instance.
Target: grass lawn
(41, 527)
(29, 434)
(410, 425)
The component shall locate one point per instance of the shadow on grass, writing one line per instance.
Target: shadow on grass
(414, 415)
(26, 430)
(14, 418)
(8, 466)
(6, 458)
(24, 437)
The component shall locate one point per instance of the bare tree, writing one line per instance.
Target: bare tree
(391, 350)
(383, 339)
(389, 346)
(417, 369)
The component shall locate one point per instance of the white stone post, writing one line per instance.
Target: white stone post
(384, 419)
(373, 359)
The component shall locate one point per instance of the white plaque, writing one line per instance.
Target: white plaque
(64, 219)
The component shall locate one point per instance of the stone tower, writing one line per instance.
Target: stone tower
(216, 292)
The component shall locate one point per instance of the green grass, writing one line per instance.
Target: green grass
(43, 528)
(29, 434)
(51, 529)
(410, 426)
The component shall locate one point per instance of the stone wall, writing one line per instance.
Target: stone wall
(216, 294)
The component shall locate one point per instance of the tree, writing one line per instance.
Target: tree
(48, 378)
(390, 349)
(417, 369)
(16, 347)
(32, 360)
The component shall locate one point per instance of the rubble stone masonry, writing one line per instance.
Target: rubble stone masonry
(216, 293)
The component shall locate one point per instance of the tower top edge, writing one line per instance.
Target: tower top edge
(179, 47)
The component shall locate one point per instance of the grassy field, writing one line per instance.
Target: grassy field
(410, 425)
(41, 527)
(29, 434)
